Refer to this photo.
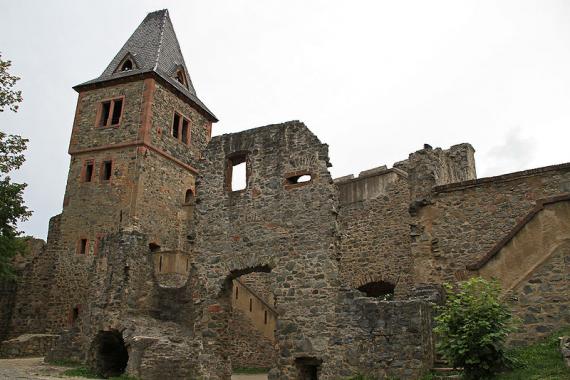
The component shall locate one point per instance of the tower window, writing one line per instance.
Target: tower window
(82, 247)
(106, 170)
(127, 65)
(181, 128)
(110, 112)
(88, 171)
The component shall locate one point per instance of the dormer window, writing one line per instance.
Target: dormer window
(127, 65)
(180, 77)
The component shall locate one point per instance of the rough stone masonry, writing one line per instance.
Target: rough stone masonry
(142, 269)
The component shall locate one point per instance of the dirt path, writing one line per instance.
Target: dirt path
(36, 369)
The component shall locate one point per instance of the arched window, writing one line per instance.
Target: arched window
(127, 65)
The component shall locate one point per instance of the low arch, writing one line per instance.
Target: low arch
(109, 354)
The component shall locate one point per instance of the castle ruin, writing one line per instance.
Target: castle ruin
(161, 266)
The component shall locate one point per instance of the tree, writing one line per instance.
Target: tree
(472, 328)
(12, 208)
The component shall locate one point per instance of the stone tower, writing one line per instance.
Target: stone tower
(139, 130)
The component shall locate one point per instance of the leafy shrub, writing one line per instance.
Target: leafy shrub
(472, 327)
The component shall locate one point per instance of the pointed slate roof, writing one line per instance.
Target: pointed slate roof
(153, 47)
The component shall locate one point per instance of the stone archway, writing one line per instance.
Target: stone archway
(108, 354)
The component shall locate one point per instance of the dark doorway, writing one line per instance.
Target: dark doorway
(308, 368)
(110, 354)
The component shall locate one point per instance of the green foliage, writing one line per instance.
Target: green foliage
(12, 208)
(81, 372)
(249, 370)
(472, 327)
(8, 97)
(540, 361)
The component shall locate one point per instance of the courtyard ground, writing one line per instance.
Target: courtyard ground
(36, 369)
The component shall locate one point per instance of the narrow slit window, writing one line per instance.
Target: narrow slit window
(237, 292)
(160, 263)
(175, 125)
(82, 249)
(88, 173)
(250, 305)
(117, 111)
(105, 112)
(106, 170)
(185, 131)
(265, 317)
(189, 197)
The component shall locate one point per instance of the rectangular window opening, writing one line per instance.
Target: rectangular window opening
(88, 174)
(175, 125)
(82, 249)
(105, 111)
(117, 108)
(250, 305)
(239, 174)
(265, 317)
(160, 263)
(106, 170)
(185, 132)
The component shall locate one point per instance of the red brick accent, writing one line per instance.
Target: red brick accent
(146, 117)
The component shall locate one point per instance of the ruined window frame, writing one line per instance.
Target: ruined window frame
(97, 244)
(232, 160)
(108, 123)
(287, 184)
(189, 196)
(179, 128)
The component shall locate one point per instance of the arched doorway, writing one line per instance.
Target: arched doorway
(109, 354)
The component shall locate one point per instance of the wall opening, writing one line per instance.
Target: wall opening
(189, 196)
(88, 174)
(308, 368)
(378, 289)
(237, 172)
(106, 170)
(82, 247)
(110, 354)
(127, 65)
(297, 179)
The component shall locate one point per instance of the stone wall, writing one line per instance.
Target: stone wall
(27, 345)
(542, 302)
(249, 348)
(384, 338)
(374, 222)
(465, 220)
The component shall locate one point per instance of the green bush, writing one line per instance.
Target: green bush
(472, 327)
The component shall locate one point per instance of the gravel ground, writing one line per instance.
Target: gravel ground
(36, 369)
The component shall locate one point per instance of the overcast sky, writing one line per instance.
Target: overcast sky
(373, 79)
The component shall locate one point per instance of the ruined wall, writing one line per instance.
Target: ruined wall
(384, 338)
(465, 220)
(374, 219)
(289, 230)
(31, 312)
